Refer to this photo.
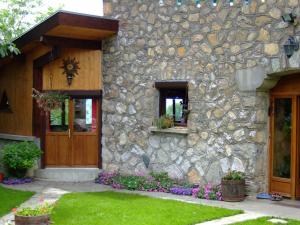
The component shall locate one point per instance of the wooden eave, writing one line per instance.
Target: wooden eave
(81, 29)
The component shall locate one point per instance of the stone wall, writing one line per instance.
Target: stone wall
(228, 127)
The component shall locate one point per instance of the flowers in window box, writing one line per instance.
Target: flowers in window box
(164, 122)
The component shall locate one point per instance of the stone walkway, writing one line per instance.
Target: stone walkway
(52, 191)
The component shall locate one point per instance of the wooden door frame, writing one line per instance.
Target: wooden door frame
(77, 94)
(294, 143)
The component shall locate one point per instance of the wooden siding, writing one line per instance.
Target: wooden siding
(16, 80)
(89, 75)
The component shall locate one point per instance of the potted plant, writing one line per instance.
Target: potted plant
(19, 157)
(39, 215)
(165, 122)
(233, 186)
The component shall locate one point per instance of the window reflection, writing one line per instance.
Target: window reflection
(85, 112)
(59, 118)
(174, 108)
(282, 138)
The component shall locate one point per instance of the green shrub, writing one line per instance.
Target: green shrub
(130, 182)
(19, 157)
(234, 175)
(163, 179)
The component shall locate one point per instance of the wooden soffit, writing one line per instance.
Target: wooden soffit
(67, 29)
(70, 25)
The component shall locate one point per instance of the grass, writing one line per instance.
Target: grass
(10, 199)
(264, 221)
(112, 208)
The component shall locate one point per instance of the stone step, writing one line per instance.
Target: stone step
(67, 174)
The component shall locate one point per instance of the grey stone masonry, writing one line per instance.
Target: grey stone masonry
(217, 50)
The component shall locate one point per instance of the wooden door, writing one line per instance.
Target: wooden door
(58, 139)
(85, 132)
(283, 145)
(285, 137)
(72, 136)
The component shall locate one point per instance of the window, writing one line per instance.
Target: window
(85, 114)
(59, 118)
(4, 103)
(173, 100)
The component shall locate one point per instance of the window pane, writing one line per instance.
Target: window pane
(169, 107)
(59, 118)
(178, 109)
(85, 112)
(282, 138)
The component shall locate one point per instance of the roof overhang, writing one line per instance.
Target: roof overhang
(68, 25)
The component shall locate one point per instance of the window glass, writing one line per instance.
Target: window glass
(85, 112)
(282, 138)
(174, 108)
(59, 118)
(169, 107)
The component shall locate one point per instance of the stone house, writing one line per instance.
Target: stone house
(223, 64)
(231, 57)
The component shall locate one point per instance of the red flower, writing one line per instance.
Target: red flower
(14, 210)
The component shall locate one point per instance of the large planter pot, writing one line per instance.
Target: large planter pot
(233, 190)
(32, 220)
(1, 177)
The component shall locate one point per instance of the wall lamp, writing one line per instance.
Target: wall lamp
(291, 46)
(289, 18)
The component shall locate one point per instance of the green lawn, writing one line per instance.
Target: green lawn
(112, 208)
(264, 221)
(10, 199)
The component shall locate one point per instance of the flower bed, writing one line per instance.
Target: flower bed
(159, 182)
(16, 181)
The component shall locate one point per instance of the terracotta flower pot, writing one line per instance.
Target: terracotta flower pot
(233, 190)
(32, 220)
(1, 177)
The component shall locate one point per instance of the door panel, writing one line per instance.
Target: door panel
(85, 132)
(85, 150)
(282, 145)
(58, 153)
(58, 142)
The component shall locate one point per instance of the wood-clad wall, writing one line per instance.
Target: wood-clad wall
(89, 75)
(16, 80)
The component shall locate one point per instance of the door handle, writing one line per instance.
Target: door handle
(69, 133)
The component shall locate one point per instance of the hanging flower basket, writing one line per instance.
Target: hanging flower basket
(48, 101)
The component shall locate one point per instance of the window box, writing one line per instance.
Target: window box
(172, 130)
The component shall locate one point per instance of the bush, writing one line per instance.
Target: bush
(163, 180)
(19, 157)
(129, 182)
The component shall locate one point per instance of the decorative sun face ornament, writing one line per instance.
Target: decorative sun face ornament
(70, 67)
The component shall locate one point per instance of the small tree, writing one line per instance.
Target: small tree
(16, 16)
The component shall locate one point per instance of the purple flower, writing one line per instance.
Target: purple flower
(16, 181)
(181, 191)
